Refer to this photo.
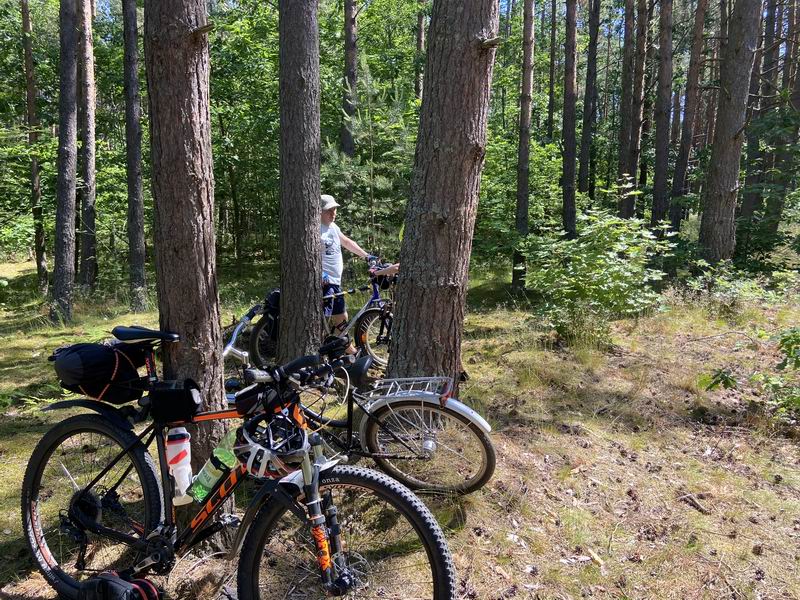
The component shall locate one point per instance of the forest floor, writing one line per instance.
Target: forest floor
(618, 475)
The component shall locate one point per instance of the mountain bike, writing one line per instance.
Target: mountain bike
(92, 499)
(413, 428)
(371, 325)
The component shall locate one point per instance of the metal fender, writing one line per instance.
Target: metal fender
(109, 412)
(433, 399)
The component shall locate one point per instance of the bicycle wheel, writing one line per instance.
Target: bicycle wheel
(392, 545)
(452, 453)
(373, 332)
(263, 344)
(127, 499)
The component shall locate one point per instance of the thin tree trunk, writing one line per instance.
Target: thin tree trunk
(301, 268)
(419, 60)
(647, 118)
(32, 122)
(64, 268)
(752, 200)
(524, 148)
(689, 114)
(133, 163)
(177, 61)
(350, 76)
(662, 110)
(589, 104)
(440, 216)
(551, 93)
(88, 262)
(626, 105)
(717, 230)
(506, 57)
(568, 212)
(791, 42)
(675, 131)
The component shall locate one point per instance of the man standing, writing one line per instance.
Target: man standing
(332, 264)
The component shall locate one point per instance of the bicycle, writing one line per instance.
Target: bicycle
(92, 499)
(413, 428)
(372, 323)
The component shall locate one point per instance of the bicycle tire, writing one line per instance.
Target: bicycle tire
(262, 347)
(447, 475)
(35, 494)
(273, 526)
(366, 335)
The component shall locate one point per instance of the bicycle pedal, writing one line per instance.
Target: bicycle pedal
(229, 520)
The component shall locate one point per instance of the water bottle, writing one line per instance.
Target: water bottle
(222, 460)
(179, 458)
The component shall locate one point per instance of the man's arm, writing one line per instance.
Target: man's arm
(352, 246)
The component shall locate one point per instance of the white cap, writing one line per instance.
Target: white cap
(328, 202)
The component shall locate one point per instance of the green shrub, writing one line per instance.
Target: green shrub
(606, 272)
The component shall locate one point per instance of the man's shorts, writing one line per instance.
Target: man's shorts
(335, 305)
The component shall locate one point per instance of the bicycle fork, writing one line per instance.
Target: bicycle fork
(324, 524)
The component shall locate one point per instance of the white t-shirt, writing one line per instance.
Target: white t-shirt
(332, 263)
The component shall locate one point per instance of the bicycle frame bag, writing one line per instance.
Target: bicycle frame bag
(105, 372)
(109, 586)
(174, 401)
(272, 308)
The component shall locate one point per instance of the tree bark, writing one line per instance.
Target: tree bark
(626, 104)
(419, 60)
(440, 216)
(751, 197)
(64, 268)
(88, 189)
(717, 231)
(133, 160)
(689, 113)
(551, 93)
(662, 110)
(350, 75)
(675, 131)
(589, 94)
(177, 61)
(524, 147)
(32, 122)
(568, 213)
(301, 268)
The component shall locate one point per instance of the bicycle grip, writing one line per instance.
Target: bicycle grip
(334, 345)
(303, 362)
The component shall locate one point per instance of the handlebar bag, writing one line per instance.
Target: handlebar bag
(109, 586)
(105, 372)
(174, 401)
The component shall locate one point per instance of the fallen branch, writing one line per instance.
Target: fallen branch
(692, 501)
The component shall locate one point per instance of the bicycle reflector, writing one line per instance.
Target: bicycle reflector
(271, 446)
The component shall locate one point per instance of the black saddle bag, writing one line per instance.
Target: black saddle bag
(105, 372)
(110, 586)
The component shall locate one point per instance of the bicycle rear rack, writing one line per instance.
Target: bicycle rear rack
(409, 387)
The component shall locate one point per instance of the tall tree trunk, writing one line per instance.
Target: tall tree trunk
(675, 131)
(350, 75)
(419, 59)
(589, 104)
(64, 268)
(551, 90)
(133, 160)
(524, 148)
(717, 231)
(626, 105)
(791, 41)
(637, 103)
(301, 268)
(568, 129)
(32, 121)
(661, 169)
(689, 113)
(440, 216)
(647, 117)
(506, 57)
(88, 262)
(177, 61)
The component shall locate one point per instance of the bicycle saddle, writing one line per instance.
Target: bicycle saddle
(135, 333)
